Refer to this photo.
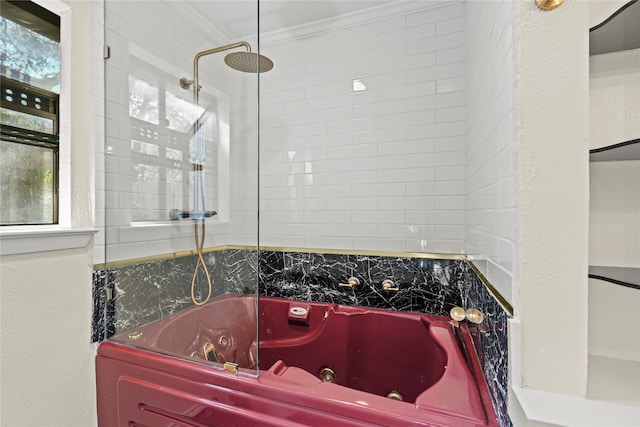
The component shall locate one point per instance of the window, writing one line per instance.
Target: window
(30, 84)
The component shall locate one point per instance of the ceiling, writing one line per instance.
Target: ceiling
(237, 19)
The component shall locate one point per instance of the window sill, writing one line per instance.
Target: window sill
(31, 239)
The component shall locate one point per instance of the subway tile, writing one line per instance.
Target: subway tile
(379, 108)
(353, 230)
(436, 43)
(378, 27)
(407, 35)
(408, 91)
(407, 231)
(385, 80)
(408, 62)
(436, 72)
(425, 145)
(379, 189)
(436, 130)
(388, 162)
(406, 119)
(451, 85)
(451, 114)
(450, 216)
(379, 244)
(352, 177)
(435, 14)
(323, 140)
(328, 242)
(449, 26)
(377, 217)
(351, 125)
(378, 135)
(306, 229)
(407, 175)
(414, 203)
(454, 143)
(353, 98)
(349, 203)
(450, 202)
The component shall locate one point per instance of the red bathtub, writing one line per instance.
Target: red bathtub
(314, 365)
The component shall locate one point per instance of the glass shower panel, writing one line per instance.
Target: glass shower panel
(181, 181)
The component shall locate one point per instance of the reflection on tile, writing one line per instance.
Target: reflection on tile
(149, 291)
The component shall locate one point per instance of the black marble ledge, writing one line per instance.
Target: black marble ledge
(423, 285)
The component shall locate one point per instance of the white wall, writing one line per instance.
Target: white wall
(47, 365)
(614, 97)
(491, 149)
(549, 334)
(382, 168)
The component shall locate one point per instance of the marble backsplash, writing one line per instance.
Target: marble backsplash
(132, 295)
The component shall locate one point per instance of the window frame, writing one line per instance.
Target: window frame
(76, 224)
(47, 24)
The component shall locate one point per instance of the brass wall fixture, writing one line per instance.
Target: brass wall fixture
(351, 283)
(473, 315)
(548, 4)
(458, 313)
(389, 286)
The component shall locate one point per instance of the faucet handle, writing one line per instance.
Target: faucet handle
(389, 286)
(351, 283)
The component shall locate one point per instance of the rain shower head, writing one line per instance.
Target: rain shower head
(248, 62)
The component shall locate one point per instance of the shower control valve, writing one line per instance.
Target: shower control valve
(351, 283)
(389, 286)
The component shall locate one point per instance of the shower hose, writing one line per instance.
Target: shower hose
(199, 237)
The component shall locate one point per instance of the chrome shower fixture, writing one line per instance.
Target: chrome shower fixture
(247, 62)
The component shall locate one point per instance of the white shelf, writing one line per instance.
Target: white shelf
(624, 276)
(629, 150)
(614, 380)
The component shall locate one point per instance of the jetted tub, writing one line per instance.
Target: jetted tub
(319, 365)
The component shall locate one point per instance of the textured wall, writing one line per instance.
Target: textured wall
(553, 198)
(47, 365)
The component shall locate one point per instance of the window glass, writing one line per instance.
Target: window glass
(25, 121)
(28, 56)
(26, 184)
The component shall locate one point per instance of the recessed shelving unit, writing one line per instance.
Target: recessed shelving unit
(614, 217)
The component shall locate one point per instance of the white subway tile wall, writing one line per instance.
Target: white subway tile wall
(491, 217)
(362, 135)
